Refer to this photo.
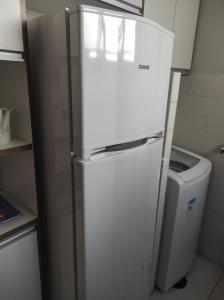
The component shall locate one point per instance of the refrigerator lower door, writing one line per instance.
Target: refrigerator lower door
(116, 205)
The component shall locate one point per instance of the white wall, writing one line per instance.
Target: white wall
(200, 118)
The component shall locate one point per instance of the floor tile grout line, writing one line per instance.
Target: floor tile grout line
(202, 291)
(210, 261)
(209, 294)
(217, 283)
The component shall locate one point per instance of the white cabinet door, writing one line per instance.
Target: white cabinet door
(10, 26)
(180, 17)
(184, 29)
(20, 275)
(161, 11)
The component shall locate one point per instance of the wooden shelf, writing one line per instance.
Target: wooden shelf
(15, 145)
(10, 56)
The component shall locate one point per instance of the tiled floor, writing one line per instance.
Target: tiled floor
(205, 282)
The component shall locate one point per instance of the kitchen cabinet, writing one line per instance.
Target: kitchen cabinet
(161, 11)
(19, 261)
(11, 39)
(180, 17)
(20, 275)
(185, 28)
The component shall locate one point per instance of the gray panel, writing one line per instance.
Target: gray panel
(50, 112)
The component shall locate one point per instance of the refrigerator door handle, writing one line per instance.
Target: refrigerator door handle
(124, 147)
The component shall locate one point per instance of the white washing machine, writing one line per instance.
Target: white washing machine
(185, 200)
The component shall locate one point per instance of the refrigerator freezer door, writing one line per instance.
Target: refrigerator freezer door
(125, 68)
(116, 204)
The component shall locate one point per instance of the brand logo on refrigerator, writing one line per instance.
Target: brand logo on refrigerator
(144, 67)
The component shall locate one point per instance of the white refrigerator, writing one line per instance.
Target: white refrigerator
(102, 103)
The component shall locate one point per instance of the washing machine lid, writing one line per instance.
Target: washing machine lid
(187, 165)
